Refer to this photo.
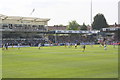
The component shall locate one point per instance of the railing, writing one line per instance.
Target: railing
(23, 29)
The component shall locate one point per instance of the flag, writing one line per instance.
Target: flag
(32, 11)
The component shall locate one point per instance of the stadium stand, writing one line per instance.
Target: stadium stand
(16, 29)
(30, 31)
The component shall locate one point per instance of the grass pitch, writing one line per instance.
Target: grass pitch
(60, 62)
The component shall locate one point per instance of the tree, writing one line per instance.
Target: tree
(61, 25)
(83, 27)
(73, 25)
(99, 22)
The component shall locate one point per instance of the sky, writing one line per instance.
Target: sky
(62, 11)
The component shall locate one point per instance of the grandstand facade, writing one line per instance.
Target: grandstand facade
(16, 28)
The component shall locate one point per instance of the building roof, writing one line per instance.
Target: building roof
(57, 27)
(3, 17)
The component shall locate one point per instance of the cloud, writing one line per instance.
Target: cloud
(60, 11)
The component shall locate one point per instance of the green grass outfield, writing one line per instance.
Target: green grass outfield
(60, 62)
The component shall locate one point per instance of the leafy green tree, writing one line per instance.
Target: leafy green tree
(73, 25)
(61, 25)
(83, 27)
(99, 22)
